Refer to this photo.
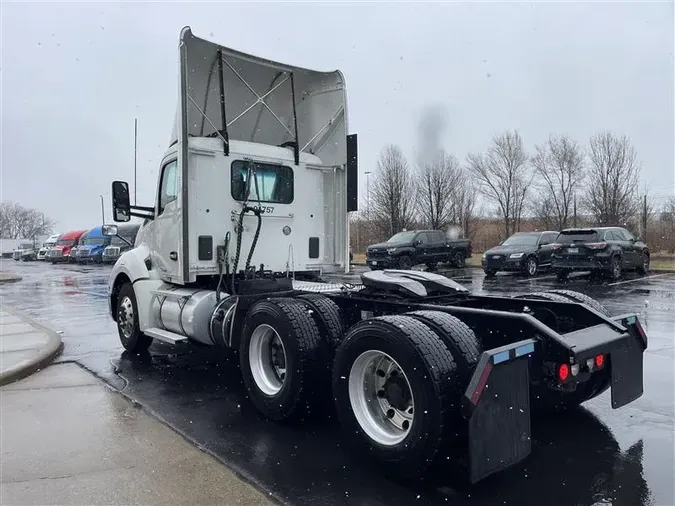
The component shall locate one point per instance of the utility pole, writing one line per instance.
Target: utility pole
(135, 154)
(102, 211)
(575, 210)
(367, 173)
(644, 218)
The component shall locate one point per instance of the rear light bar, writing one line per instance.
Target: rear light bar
(596, 245)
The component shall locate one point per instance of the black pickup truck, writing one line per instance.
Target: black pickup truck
(413, 247)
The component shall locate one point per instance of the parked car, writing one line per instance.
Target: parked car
(525, 252)
(25, 252)
(608, 250)
(92, 246)
(117, 244)
(413, 247)
(67, 243)
(46, 246)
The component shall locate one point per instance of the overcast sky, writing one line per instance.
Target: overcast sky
(74, 76)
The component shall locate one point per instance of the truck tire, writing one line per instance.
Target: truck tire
(128, 327)
(459, 260)
(582, 298)
(405, 262)
(327, 316)
(543, 296)
(280, 355)
(643, 268)
(457, 337)
(397, 393)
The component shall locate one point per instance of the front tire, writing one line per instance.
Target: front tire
(128, 326)
(459, 260)
(643, 268)
(615, 269)
(397, 393)
(531, 267)
(405, 263)
(281, 358)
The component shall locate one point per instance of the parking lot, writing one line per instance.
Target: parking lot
(594, 456)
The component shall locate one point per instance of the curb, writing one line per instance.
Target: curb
(44, 357)
(8, 277)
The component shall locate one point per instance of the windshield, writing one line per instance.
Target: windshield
(95, 241)
(578, 236)
(402, 237)
(65, 242)
(521, 240)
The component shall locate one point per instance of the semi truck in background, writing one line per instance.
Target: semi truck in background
(46, 246)
(61, 252)
(123, 241)
(252, 208)
(91, 246)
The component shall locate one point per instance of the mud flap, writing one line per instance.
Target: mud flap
(497, 406)
(626, 363)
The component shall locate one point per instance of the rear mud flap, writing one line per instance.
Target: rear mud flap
(497, 406)
(626, 363)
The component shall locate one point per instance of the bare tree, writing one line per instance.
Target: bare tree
(503, 178)
(463, 203)
(544, 209)
(559, 168)
(392, 194)
(613, 176)
(18, 222)
(435, 185)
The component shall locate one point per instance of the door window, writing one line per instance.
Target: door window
(422, 238)
(168, 190)
(625, 234)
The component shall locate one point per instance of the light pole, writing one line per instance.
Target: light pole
(367, 173)
(102, 211)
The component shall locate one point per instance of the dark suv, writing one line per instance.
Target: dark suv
(609, 250)
(523, 251)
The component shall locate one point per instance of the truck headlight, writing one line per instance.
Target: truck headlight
(391, 250)
(515, 255)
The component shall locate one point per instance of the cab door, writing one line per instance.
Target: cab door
(164, 232)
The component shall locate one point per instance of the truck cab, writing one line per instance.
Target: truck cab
(46, 246)
(122, 242)
(91, 246)
(67, 243)
(25, 251)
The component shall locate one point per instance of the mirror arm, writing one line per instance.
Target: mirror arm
(142, 208)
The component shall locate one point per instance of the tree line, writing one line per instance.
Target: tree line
(560, 184)
(18, 222)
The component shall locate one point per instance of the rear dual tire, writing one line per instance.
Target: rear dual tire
(397, 390)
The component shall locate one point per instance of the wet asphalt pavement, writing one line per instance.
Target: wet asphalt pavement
(594, 456)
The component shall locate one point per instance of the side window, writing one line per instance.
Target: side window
(625, 234)
(422, 238)
(544, 240)
(552, 237)
(274, 183)
(168, 190)
(613, 235)
(434, 238)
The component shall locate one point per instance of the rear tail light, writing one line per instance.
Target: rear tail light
(596, 245)
(556, 245)
(563, 372)
(599, 361)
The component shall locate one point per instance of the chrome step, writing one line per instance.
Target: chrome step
(165, 336)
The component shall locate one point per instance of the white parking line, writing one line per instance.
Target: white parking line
(641, 279)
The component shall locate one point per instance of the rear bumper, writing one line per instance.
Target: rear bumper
(581, 264)
(500, 386)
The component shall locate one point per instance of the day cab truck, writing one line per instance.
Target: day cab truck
(61, 252)
(413, 247)
(251, 211)
(25, 251)
(123, 241)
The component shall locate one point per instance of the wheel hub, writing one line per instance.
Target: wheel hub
(267, 359)
(125, 317)
(396, 392)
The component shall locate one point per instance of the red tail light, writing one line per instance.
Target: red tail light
(556, 245)
(596, 245)
(563, 372)
(599, 361)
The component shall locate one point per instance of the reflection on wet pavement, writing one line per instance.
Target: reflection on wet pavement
(592, 456)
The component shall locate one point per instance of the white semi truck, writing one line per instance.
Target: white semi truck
(251, 212)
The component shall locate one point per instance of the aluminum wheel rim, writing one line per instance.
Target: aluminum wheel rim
(267, 359)
(125, 317)
(617, 268)
(531, 267)
(378, 418)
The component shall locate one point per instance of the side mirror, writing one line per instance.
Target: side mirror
(120, 201)
(637, 239)
(501, 242)
(110, 230)
(417, 242)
